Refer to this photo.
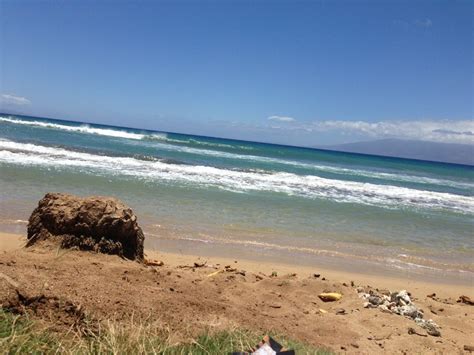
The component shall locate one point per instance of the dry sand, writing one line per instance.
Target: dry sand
(185, 299)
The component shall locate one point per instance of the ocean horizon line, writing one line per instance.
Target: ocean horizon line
(339, 152)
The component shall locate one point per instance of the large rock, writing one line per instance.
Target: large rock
(103, 224)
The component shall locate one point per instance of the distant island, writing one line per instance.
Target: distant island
(411, 149)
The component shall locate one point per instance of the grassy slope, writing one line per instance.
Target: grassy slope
(19, 334)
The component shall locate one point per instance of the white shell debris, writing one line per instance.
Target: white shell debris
(399, 303)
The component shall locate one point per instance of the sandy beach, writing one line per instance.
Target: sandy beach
(236, 177)
(250, 294)
(11, 242)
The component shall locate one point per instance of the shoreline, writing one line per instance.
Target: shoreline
(343, 257)
(327, 259)
(11, 242)
(380, 281)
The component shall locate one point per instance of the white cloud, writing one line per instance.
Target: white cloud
(460, 131)
(14, 100)
(447, 131)
(281, 118)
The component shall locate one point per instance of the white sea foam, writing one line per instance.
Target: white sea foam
(164, 137)
(315, 167)
(164, 142)
(239, 181)
(119, 133)
(84, 128)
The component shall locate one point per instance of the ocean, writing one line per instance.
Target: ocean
(195, 194)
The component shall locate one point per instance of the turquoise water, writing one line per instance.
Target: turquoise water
(244, 195)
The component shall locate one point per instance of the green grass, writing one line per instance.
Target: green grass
(19, 334)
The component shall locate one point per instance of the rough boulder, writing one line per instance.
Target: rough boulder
(102, 224)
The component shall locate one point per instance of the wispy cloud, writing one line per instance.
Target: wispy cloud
(281, 118)
(14, 100)
(423, 23)
(448, 131)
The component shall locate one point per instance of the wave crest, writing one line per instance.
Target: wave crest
(84, 128)
(306, 186)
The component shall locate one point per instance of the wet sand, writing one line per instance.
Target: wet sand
(9, 242)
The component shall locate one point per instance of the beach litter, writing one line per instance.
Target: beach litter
(400, 303)
(330, 296)
(268, 346)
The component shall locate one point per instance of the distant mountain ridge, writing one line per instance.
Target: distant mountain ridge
(410, 149)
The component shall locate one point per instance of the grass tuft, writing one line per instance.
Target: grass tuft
(20, 334)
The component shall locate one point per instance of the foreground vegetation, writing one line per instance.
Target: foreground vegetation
(20, 334)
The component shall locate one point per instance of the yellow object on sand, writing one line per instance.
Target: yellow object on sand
(215, 273)
(330, 297)
(154, 262)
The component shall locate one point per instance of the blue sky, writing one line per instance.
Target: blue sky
(293, 72)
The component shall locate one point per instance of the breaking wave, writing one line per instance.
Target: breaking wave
(84, 128)
(307, 186)
(119, 133)
(165, 142)
(316, 167)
